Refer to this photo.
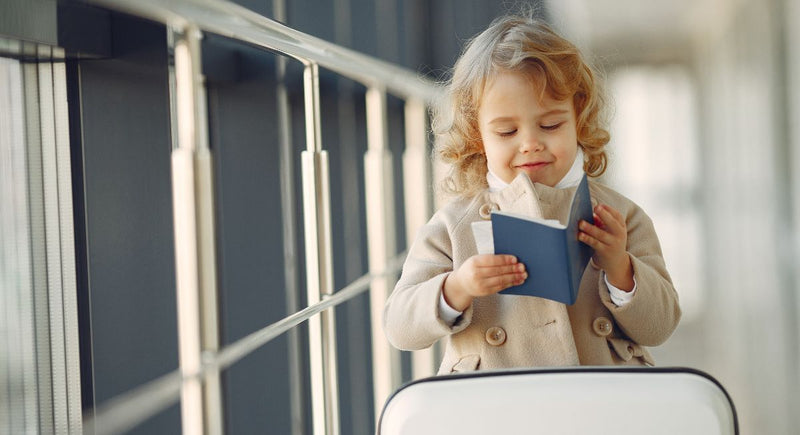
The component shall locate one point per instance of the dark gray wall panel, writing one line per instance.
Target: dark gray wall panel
(244, 141)
(29, 20)
(344, 135)
(451, 23)
(128, 201)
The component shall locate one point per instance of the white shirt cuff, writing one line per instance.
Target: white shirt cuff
(619, 297)
(447, 313)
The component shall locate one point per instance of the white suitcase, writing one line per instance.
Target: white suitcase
(581, 400)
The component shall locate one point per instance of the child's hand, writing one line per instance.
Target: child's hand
(609, 238)
(482, 275)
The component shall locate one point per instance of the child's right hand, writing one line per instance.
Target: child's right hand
(482, 275)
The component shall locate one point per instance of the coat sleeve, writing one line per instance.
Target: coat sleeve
(411, 316)
(653, 313)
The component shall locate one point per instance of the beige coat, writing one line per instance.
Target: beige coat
(504, 331)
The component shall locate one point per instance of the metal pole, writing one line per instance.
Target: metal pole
(289, 215)
(418, 203)
(380, 243)
(195, 256)
(319, 265)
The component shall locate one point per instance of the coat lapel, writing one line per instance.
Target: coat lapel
(534, 200)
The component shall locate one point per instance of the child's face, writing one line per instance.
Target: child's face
(523, 133)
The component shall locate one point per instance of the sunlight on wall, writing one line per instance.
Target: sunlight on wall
(706, 150)
(654, 161)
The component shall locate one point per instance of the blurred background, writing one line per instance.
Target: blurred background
(706, 109)
(704, 137)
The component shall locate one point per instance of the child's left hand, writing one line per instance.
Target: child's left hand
(609, 238)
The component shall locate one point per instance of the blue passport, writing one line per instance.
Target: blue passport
(552, 254)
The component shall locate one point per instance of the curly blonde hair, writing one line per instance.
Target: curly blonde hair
(522, 44)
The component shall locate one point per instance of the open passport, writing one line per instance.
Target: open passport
(551, 252)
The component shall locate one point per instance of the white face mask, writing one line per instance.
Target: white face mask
(571, 179)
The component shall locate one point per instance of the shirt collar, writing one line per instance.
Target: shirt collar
(571, 179)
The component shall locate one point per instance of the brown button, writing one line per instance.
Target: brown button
(495, 336)
(602, 326)
(486, 210)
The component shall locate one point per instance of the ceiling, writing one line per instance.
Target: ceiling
(625, 31)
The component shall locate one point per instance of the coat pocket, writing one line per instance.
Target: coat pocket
(627, 349)
(467, 363)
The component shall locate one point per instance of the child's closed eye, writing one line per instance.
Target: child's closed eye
(551, 127)
(507, 133)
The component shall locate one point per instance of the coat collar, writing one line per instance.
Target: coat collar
(534, 200)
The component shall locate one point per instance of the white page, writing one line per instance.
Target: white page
(484, 240)
(554, 223)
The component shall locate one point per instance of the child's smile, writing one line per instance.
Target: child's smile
(524, 131)
(532, 167)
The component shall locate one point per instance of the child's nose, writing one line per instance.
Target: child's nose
(530, 143)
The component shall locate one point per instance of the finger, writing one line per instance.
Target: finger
(597, 221)
(609, 225)
(612, 224)
(607, 215)
(597, 233)
(591, 241)
(599, 244)
(610, 214)
(492, 260)
(489, 272)
(502, 282)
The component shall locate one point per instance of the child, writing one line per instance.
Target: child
(519, 126)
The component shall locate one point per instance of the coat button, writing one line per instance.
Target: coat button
(495, 336)
(486, 210)
(602, 326)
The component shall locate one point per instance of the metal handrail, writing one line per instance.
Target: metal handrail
(236, 351)
(231, 20)
(201, 360)
(123, 412)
